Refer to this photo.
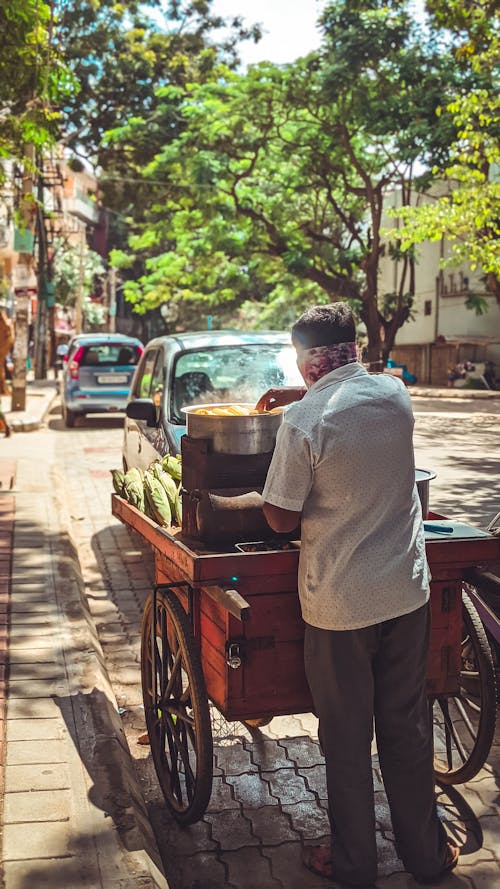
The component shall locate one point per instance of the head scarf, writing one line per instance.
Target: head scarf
(320, 360)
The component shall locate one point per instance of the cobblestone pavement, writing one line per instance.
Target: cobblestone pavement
(269, 795)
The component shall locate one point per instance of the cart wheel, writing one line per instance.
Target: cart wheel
(464, 724)
(176, 708)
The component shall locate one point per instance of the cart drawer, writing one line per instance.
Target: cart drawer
(270, 680)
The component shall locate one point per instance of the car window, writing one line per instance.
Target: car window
(110, 355)
(239, 373)
(143, 383)
(157, 378)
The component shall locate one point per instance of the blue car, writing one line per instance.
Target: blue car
(195, 368)
(97, 374)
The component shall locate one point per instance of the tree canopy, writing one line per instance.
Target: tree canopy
(127, 58)
(122, 53)
(259, 192)
(33, 77)
(468, 213)
(273, 190)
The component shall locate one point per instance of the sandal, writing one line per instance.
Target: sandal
(452, 856)
(317, 859)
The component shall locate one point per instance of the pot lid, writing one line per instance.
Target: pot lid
(422, 475)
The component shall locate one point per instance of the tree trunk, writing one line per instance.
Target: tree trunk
(371, 316)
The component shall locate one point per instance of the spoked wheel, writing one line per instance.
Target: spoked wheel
(176, 708)
(464, 724)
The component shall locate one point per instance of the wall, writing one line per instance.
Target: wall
(439, 310)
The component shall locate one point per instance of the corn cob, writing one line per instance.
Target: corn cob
(230, 410)
(147, 509)
(134, 474)
(172, 465)
(118, 480)
(133, 488)
(157, 499)
(170, 488)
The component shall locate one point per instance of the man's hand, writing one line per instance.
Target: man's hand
(279, 397)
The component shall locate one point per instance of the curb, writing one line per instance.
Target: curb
(28, 420)
(7, 519)
(453, 394)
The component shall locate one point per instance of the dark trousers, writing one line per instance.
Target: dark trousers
(357, 677)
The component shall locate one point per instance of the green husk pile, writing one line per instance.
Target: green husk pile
(154, 491)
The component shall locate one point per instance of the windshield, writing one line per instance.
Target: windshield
(231, 374)
(110, 355)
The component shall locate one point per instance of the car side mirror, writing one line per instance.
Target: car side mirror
(143, 409)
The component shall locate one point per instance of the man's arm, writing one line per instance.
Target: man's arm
(281, 520)
(279, 397)
(289, 479)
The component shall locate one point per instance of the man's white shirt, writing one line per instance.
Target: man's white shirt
(344, 458)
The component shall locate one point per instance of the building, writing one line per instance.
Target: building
(443, 331)
(71, 210)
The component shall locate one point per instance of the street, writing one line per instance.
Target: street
(269, 794)
(459, 441)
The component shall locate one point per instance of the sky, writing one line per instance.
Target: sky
(289, 27)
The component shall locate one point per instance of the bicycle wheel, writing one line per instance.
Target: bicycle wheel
(464, 724)
(176, 708)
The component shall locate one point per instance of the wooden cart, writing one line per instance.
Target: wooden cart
(226, 627)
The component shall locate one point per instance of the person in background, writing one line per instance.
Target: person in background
(4, 426)
(344, 468)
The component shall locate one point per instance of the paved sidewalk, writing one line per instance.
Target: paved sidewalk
(73, 812)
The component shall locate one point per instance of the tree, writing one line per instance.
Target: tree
(122, 53)
(279, 176)
(75, 271)
(468, 214)
(132, 61)
(33, 77)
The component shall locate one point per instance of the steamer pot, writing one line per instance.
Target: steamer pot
(255, 434)
(423, 477)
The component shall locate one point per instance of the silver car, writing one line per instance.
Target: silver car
(97, 374)
(195, 368)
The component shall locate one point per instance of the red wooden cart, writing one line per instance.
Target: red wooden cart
(226, 627)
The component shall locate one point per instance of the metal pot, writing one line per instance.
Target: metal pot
(423, 478)
(255, 434)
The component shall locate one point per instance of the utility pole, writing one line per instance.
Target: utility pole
(112, 299)
(81, 285)
(41, 314)
(24, 277)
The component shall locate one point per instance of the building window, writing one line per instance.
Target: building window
(428, 307)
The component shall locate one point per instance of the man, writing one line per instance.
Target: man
(344, 467)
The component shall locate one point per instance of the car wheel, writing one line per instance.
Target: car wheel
(69, 417)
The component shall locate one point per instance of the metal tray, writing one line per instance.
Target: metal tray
(258, 546)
